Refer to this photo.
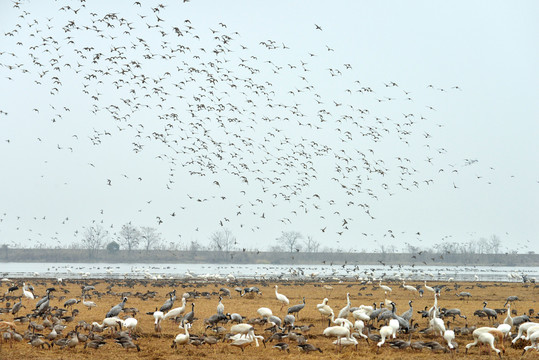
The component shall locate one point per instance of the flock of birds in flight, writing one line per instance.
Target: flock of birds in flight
(257, 124)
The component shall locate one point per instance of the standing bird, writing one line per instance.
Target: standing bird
(281, 297)
(158, 316)
(324, 308)
(408, 287)
(296, 308)
(345, 311)
(182, 339)
(220, 306)
(168, 304)
(490, 313)
(115, 310)
(385, 287)
(174, 313)
(429, 288)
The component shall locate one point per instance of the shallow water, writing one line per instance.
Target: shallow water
(258, 271)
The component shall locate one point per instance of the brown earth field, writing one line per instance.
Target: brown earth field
(108, 293)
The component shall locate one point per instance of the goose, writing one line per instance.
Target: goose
(307, 348)
(174, 313)
(282, 346)
(281, 297)
(401, 344)
(36, 341)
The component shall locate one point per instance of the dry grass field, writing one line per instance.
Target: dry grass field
(152, 346)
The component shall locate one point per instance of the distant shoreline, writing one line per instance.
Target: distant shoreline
(262, 257)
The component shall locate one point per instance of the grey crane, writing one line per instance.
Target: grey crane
(489, 312)
(115, 310)
(168, 303)
(296, 308)
(409, 313)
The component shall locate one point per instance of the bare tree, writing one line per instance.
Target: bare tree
(495, 243)
(222, 240)
(311, 245)
(290, 240)
(129, 236)
(150, 238)
(94, 238)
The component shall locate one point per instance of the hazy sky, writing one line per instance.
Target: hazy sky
(356, 123)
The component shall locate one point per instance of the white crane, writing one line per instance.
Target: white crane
(408, 287)
(385, 332)
(385, 287)
(158, 317)
(345, 311)
(429, 288)
(174, 313)
(281, 297)
(337, 331)
(485, 338)
(449, 336)
(324, 309)
(182, 339)
(264, 312)
(130, 324)
(27, 294)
